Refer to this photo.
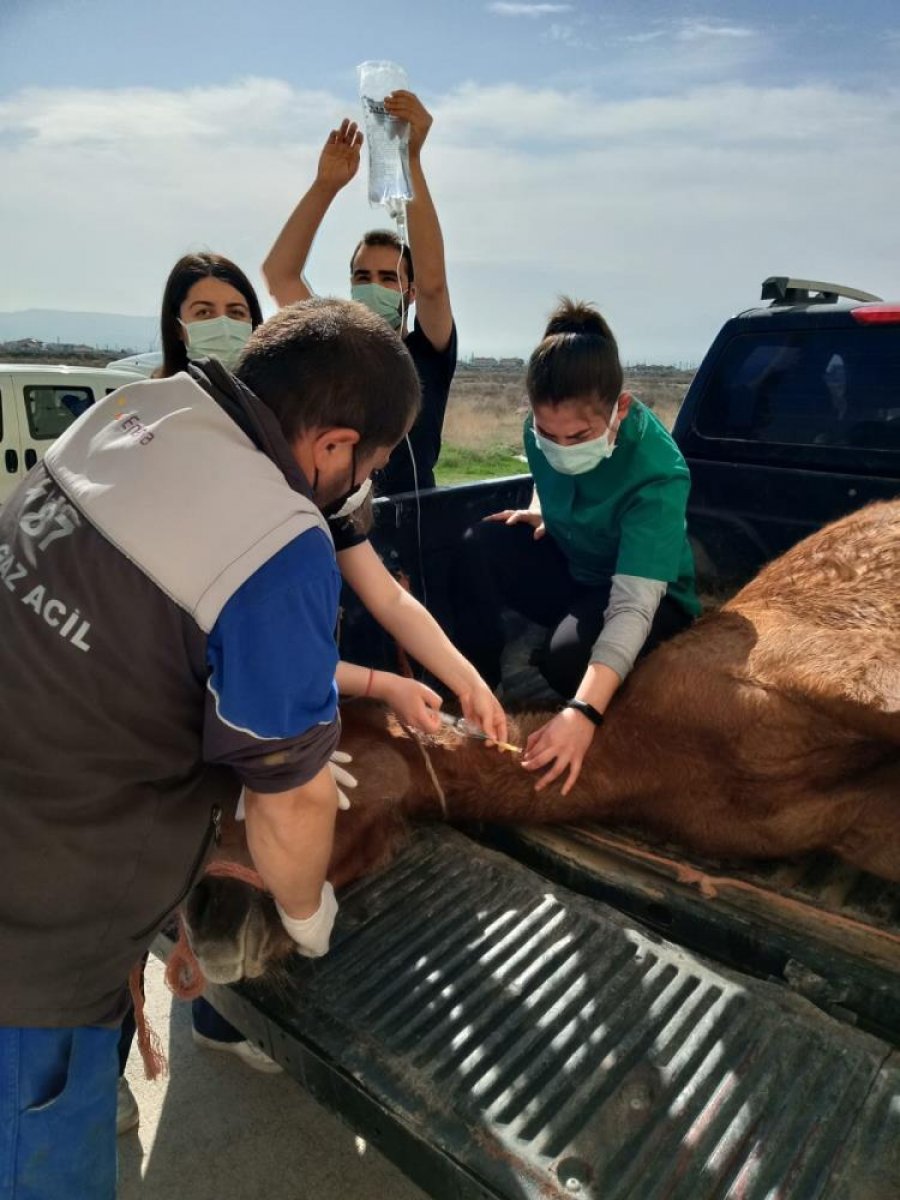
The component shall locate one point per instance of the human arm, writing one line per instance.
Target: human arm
(651, 546)
(426, 242)
(271, 717)
(290, 835)
(627, 620)
(285, 263)
(414, 628)
(413, 702)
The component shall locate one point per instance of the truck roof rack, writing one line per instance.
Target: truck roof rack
(782, 290)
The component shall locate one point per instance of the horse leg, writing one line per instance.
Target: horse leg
(872, 841)
(366, 839)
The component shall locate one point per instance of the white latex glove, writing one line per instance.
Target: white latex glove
(341, 777)
(313, 934)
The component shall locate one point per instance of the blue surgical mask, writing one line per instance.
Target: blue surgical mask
(583, 456)
(383, 301)
(221, 337)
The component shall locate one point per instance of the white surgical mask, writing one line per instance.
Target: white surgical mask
(221, 337)
(383, 301)
(583, 456)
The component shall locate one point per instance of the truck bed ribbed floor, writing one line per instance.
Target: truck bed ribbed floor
(496, 1035)
(831, 931)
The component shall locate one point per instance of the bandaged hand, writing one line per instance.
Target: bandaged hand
(342, 778)
(313, 934)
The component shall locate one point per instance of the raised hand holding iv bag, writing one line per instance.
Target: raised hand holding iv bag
(386, 137)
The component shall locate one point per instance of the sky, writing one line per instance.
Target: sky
(657, 159)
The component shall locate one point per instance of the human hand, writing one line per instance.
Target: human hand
(482, 709)
(313, 934)
(414, 703)
(563, 741)
(339, 160)
(406, 106)
(521, 516)
(341, 777)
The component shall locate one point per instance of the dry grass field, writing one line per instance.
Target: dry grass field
(483, 427)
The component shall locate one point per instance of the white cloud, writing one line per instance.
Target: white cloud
(690, 30)
(247, 110)
(567, 35)
(528, 10)
(640, 39)
(693, 31)
(670, 55)
(667, 210)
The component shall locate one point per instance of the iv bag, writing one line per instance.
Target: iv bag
(386, 137)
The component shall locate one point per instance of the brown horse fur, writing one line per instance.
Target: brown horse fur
(770, 728)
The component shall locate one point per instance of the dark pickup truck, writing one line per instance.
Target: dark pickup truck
(575, 1012)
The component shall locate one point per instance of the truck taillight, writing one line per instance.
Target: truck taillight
(877, 314)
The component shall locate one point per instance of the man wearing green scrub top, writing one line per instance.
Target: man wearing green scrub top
(601, 557)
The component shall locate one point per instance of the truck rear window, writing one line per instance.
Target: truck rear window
(51, 410)
(812, 387)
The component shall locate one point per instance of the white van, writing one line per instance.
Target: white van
(37, 403)
(145, 364)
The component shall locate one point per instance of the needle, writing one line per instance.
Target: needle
(465, 729)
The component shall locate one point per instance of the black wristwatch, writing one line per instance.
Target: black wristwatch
(589, 711)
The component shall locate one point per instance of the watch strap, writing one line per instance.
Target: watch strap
(588, 710)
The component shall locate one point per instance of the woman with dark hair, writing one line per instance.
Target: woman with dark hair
(209, 310)
(601, 557)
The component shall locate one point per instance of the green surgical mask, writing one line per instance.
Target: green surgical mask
(383, 301)
(222, 338)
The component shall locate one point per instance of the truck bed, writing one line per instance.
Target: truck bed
(827, 930)
(497, 1035)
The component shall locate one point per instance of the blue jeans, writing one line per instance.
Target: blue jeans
(58, 1113)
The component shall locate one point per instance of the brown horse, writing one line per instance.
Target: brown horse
(771, 728)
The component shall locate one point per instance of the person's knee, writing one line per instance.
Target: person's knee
(563, 664)
(671, 619)
(484, 535)
(502, 549)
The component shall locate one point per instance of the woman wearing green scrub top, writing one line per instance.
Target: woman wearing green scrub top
(601, 557)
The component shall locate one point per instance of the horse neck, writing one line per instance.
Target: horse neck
(474, 782)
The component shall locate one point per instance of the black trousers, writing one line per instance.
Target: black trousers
(502, 566)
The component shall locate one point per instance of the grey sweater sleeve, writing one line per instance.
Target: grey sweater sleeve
(633, 602)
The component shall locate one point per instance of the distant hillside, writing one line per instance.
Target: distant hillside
(81, 328)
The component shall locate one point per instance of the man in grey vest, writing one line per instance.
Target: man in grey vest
(168, 597)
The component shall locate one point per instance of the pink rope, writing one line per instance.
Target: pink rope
(152, 1054)
(223, 869)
